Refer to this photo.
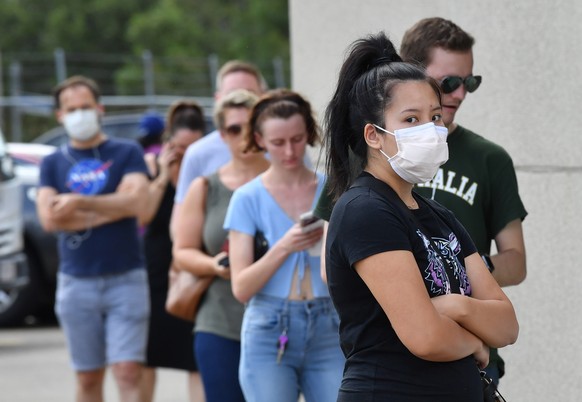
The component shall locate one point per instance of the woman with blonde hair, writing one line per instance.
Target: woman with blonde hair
(201, 247)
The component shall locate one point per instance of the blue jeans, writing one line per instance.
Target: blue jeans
(312, 363)
(218, 360)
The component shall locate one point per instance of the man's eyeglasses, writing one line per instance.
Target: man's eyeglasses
(450, 84)
(233, 129)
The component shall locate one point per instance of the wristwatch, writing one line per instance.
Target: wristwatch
(488, 262)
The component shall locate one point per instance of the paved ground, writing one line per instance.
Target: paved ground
(34, 367)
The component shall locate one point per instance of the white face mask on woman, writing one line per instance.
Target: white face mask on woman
(82, 124)
(421, 151)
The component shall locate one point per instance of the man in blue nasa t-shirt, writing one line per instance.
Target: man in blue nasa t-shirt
(91, 191)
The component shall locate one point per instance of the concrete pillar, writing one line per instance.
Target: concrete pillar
(529, 54)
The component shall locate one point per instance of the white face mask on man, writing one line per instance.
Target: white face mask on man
(82, 124)
(421, 151)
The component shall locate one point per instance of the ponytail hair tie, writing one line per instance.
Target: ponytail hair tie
(385, 60)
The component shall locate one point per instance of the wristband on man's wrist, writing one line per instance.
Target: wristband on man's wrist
(488, 262)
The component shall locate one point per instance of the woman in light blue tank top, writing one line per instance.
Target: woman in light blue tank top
(200, 244)
(289, 340)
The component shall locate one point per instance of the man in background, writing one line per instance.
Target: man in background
(478, 183)
(206, 155)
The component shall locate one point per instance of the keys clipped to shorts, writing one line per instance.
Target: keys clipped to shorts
(282, 345)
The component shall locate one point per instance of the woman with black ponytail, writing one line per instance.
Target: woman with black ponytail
(418, 308)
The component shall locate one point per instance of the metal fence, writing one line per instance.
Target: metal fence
(126, 81)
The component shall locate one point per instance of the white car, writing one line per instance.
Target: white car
(27, 158)
(35, 297)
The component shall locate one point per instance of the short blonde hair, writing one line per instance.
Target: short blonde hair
(235, 66)
(240, 98)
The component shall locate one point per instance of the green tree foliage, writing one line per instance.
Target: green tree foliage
(74, 25)
(106, 39)
(254, 30)
(249, 29)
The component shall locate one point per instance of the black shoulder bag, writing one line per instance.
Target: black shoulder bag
(261, 245)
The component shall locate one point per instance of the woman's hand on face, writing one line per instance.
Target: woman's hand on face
(167, 158)
(295, 240)
(220, 270)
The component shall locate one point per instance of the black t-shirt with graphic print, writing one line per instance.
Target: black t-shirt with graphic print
(378, 365)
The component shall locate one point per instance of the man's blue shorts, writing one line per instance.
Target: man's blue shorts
(105, 318)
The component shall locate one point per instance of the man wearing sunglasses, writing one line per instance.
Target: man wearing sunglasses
(478, 182)
(206, 155)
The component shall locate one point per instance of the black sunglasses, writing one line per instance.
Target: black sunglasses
(233, 129)
(450, 84)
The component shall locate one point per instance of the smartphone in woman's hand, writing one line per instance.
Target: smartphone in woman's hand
(309, 222)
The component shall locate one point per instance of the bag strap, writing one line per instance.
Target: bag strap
(206, 181)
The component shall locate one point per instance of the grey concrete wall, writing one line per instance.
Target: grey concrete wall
(529, 55)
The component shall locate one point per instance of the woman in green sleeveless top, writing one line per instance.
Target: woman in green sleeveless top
(201, 243)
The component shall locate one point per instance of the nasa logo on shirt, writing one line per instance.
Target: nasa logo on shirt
(88, 176)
